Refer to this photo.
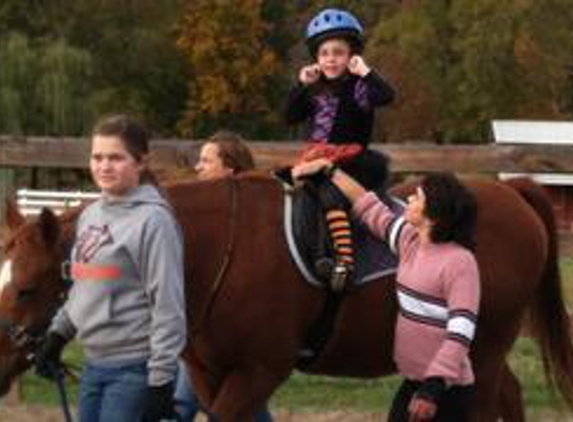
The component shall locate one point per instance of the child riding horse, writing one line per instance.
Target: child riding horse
(338, 95)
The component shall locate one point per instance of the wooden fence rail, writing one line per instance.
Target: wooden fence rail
(409, 157)
(73, 153)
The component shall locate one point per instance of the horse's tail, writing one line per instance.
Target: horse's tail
(549, 319)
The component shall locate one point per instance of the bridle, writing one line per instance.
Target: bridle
(26, 338)
(23, 339)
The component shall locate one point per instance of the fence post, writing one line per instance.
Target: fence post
(7, 186)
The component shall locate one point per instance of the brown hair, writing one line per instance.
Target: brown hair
(233, 151)
(134, 136)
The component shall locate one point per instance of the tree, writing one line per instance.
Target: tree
(43, 87)
(134, 65)
(137, 66)
(63, 89)
(16, 79)
(236, 77)
(483, 59)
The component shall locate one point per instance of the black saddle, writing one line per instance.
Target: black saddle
(308, 239)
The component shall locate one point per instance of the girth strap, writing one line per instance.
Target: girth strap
(320, 331)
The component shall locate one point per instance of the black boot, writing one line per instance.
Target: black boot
(284, 174)
(342, 274)
(323, 266)
(339, 228)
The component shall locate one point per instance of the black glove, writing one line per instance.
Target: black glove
(432, 389)
(160, 403)
(49, 355)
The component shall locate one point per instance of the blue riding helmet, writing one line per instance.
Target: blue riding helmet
(334, 23)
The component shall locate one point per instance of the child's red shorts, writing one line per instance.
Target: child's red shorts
(337, 153)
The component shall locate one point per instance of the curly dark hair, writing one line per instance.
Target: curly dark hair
(452, 208)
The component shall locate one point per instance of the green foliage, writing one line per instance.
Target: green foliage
(62, 88)
(485, 59)
(87, 58)
(137, 68)
(15, 79)
(43, 87)
(194, 66)
(236, 75)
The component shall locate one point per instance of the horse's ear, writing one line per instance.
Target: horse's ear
(12, 215)
(50, 226)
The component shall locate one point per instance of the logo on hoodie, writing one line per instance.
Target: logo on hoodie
(90, 241)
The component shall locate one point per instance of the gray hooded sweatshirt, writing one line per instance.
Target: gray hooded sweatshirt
(127, 303)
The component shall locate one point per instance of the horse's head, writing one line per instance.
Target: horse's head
(31, 286)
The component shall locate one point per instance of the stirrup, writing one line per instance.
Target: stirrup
(340, 275)
(324, 267)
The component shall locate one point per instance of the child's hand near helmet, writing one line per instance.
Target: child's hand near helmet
(309, 74)
(358, 66)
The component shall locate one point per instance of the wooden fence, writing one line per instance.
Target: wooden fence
(73, 153)
(408, 157)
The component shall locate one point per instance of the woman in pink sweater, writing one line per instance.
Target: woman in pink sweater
(437, 286)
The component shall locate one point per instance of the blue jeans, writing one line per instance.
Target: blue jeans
(114, 393)
(187, 404)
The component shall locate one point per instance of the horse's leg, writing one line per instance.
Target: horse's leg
(486, 402)
(204, 387)
(499, 383)
(511, 399)
(243, 394)
(496, 386)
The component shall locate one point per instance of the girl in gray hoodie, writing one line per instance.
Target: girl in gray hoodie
(126, 305)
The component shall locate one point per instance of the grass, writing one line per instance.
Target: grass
(37, 390)
(303, 393)
(319, 393)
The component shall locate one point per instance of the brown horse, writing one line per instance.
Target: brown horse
(249, 308)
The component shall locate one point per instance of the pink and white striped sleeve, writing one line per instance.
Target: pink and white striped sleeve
(384, 223)
(462, 290)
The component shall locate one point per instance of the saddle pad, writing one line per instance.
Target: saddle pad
(373, 258)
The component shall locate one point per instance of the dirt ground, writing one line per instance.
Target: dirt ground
(49, 414)
(44, 414)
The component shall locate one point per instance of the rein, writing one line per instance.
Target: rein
(59, 376)
(216, 286)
